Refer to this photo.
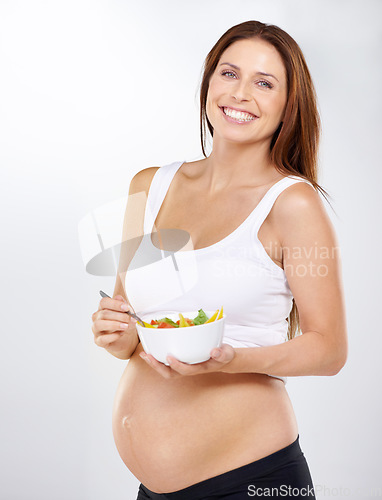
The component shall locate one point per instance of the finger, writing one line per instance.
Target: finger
(161, 368)
(119, 300)
(186, 368)
(224, 354)
(106, 339)
(106, 326)
(115, 304)
(107, 314)
(122, 303)
(119, 297)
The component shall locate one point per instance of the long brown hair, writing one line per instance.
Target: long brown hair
(294, 146)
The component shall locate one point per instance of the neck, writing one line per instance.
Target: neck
(232, 164)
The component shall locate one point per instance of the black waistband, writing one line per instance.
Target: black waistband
(246, 473)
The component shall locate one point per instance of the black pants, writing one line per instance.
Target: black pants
(283, 474)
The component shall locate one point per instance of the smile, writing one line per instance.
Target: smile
(237, 116)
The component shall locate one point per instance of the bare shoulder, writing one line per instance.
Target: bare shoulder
(142, 180)
(301, 207)
(299, 196)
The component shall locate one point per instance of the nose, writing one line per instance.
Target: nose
(241, 91)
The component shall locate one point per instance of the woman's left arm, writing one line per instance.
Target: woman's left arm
(312, 265)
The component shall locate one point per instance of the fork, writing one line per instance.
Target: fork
(103, 294)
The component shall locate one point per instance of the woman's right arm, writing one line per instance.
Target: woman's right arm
(113, 329)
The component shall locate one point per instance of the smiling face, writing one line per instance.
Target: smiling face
(247, 92)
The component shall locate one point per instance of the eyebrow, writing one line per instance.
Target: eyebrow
(257, 72)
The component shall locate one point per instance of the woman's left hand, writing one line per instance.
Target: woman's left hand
(220, 357)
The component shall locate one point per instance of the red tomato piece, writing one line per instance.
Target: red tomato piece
(163, 324)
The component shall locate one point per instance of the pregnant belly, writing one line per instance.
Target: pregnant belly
(172, 433)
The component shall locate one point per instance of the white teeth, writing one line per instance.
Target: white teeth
(238, 115)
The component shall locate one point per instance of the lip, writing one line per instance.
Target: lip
(238, 109)
(232, 120)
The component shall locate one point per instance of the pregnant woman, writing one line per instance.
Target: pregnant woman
(265, 249)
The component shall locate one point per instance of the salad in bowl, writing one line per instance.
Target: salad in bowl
(188, 336)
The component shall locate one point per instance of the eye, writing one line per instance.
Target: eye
(226, 72)
(261, 83)
(265, 84)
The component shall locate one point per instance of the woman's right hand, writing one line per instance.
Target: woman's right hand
(112, 327)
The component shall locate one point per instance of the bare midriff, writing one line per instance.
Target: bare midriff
(173, 433)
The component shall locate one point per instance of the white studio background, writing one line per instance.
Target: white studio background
(92, 92)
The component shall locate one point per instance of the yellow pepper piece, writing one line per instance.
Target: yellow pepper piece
(147, 325)
(182, 321)
(213, 317)
(220, 314)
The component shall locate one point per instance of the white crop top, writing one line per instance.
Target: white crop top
(236, 273)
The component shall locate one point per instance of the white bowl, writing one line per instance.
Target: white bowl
(192, 344)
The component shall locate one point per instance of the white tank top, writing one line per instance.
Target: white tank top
(236, 273)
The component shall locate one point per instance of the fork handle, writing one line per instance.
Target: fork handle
(103, 294)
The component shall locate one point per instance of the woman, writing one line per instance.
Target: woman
(265, 249)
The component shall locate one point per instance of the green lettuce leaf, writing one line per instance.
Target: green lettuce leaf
(168, 320)
(200, 318)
